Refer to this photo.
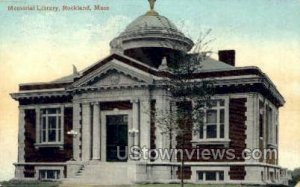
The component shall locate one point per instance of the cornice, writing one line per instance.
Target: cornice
(39, 94)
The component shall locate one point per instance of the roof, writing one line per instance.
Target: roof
(146, 22)
(148, 28)
(210, 68)
(212, 64)
(68, 78)
(207, 65)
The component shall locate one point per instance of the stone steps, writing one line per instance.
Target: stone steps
(81, 185)
(103, 173)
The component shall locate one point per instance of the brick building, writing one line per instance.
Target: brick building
(70, 128)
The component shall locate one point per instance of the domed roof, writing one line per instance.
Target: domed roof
(152, 30)
(155, 22)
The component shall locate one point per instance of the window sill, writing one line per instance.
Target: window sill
(47, 145)
(224, 142)
(272, 146)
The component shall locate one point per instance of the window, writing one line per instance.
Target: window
(221, 175)
(210, 175)
(269, 124)
(51, 130)
(261, 119)
(213, 127)
(200, 175)
(49, 174)
(272, 176)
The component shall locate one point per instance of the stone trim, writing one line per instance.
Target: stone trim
(96, 131)
(38, 119)
(216, 141)
(76, 128)
(103, 129)
(86, 131)
(119, 67)
(21, 135)
(60, 168)
(135, 130)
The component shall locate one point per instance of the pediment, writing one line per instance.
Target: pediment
(113, 78)
(114, 73)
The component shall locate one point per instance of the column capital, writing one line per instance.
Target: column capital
(95, 103)
(135, 101)
(86, 103)
(22, 110)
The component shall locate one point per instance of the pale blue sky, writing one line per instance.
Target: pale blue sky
(252, 19)
(42, 46)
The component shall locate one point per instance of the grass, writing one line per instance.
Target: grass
(29, 184)
(56, 184)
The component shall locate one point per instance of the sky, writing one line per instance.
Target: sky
(40, 46)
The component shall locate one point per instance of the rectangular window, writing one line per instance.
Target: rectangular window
(222, 123)
(211, 123)
(200, 176)
(214, 121)
(221, 175)
(51, 125)
(261, 119)
(261, 126)
(270, 124)
(210, 175)
(276, 130)
(49, 174)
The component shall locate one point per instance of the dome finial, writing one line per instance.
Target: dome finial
(152, 4)
(151, 12)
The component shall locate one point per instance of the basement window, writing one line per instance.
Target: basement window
(49, 174)
(210, 175)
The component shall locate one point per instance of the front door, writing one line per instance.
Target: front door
(117, 138)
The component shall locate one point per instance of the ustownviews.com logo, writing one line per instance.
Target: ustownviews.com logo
(144, 153)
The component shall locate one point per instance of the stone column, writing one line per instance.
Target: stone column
(135, 122)
(161, 107)
(19, 171)
(76, 128)
(145, 123)
(37, 125)
(86, 131)
(21, 136)
(96, 131)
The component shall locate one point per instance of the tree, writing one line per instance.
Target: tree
(295, 176)
(190, 96)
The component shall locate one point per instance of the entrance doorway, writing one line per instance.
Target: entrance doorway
(117, 138)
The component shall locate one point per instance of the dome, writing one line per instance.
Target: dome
(155, 22)
(152, 30)
(150, 38)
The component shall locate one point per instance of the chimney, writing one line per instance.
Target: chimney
(227, 56)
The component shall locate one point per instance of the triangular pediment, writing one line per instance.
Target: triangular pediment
(113, 77)
(114, 73)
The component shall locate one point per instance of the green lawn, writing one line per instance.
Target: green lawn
(52, 184)
(28, 184)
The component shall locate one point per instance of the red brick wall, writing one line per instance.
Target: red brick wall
(152, 127)
(121, 105)
(237, 135)
(47, 154)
